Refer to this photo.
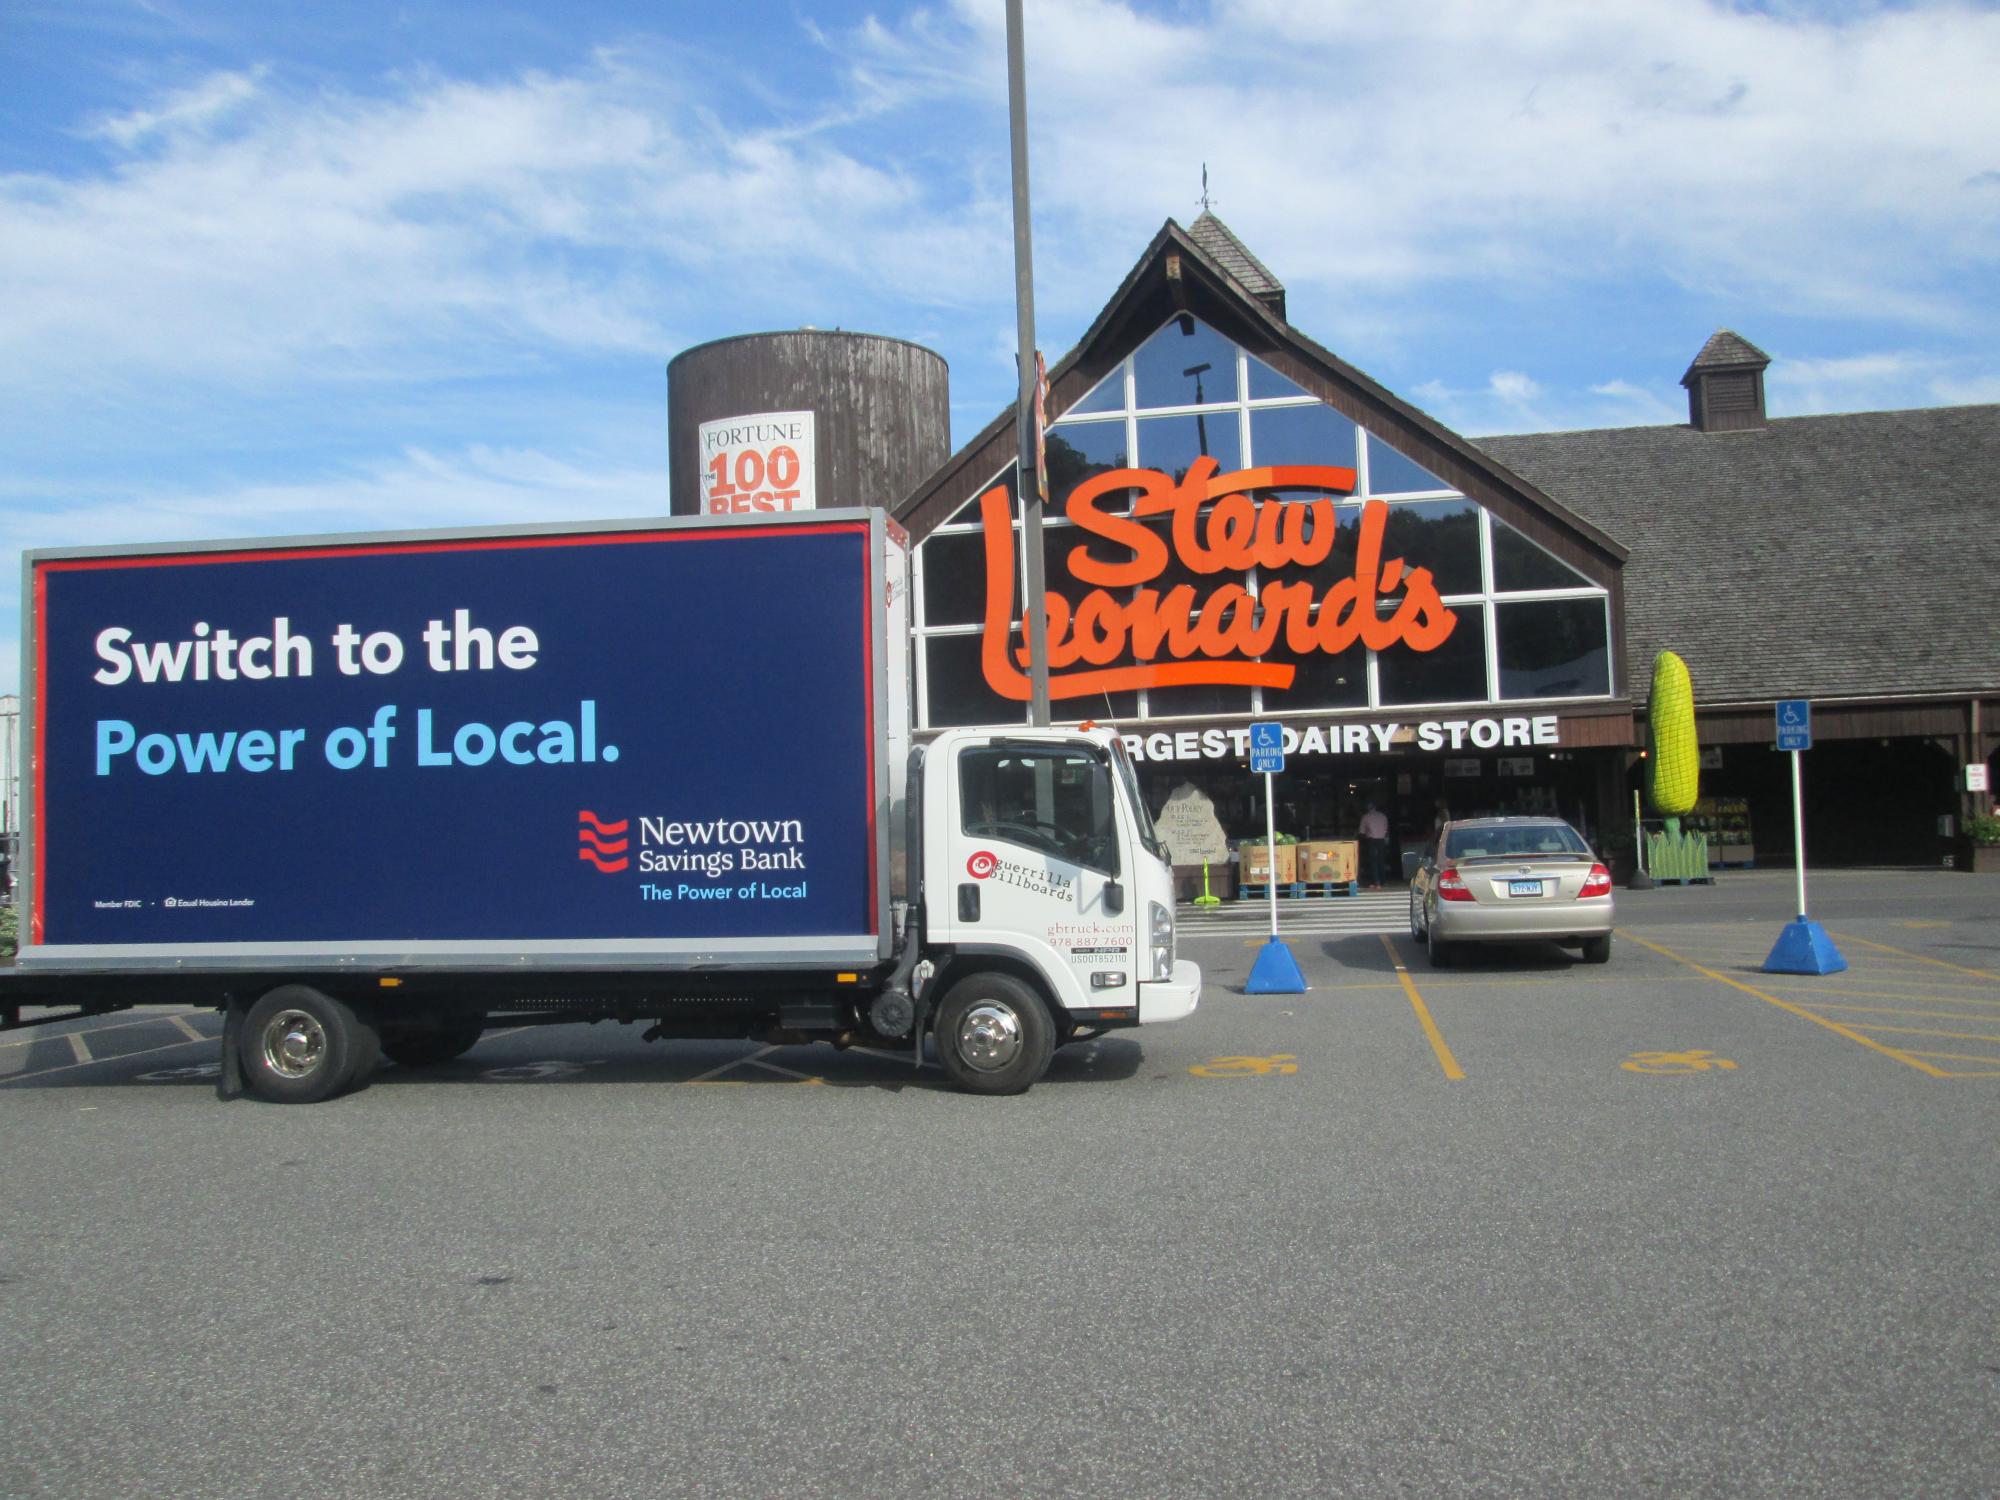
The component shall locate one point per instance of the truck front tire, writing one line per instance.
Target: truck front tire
(300, 1046)
(994, 1034)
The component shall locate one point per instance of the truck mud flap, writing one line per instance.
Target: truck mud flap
(229, 1082)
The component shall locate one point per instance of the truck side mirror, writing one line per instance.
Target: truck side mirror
(1114, 898)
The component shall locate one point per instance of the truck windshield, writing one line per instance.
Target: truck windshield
(1055, 798)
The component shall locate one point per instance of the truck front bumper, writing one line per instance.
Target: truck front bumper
(1171, 999)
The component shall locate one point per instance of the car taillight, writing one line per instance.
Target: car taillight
(1451, 886)
(1596, 883)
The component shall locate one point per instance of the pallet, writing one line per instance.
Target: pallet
(1734, 864)
(1323, 888)
(1287, 889)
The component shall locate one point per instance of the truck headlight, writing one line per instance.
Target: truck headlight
(1163, 940)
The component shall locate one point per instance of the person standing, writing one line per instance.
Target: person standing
(1374, 843)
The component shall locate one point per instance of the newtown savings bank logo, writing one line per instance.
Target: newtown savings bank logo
(1128, 633)
(603, 844)
(709, 847)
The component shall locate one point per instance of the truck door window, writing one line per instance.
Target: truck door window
(1056, 800)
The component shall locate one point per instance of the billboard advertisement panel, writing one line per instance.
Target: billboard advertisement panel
(660, 737)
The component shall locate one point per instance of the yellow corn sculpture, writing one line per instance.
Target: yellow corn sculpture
(1673, 773)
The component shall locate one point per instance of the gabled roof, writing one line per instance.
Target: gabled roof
(1178, 273)
(1826, 557)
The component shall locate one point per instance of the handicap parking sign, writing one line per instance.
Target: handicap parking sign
(1267, 748)
(1795, 724)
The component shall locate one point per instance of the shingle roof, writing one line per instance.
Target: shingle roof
(1726, 350)
(1227, 251)
(1839, 556)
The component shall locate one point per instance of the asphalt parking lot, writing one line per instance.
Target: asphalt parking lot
(1523, 1226)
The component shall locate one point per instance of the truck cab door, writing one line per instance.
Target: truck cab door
(1034, 862)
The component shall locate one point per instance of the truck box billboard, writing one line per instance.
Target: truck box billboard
(636, 743)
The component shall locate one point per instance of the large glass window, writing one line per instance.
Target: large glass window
(1184, 364)
(1442, 535)
(957, 684)
(1454, 672)
(1057, 801)
(1390, 473)
(1529, 626)
(1312, 434)
(1078, 450)
(1519, 564)
(1172, 444)
(1554, 648)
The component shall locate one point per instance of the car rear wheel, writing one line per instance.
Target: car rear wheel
(1441, 953)
(1597, 950)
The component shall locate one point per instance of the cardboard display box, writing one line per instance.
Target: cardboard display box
(1257, 862)
(1330, 862)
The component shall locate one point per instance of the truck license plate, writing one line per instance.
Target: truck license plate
(1524, 888)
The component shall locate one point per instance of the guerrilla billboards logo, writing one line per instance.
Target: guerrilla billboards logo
(986, 865)
(1217, 527)
(603, 844)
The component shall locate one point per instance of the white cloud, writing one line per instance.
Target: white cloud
(243, 232)
(183, 110)
(1819, 161)
(417, 489)
(1513, 387)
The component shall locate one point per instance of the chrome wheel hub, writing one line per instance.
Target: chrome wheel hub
(989, 1038)
(294, 1044)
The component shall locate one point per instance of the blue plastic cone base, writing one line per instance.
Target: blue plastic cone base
(1276, 972)
(1804, 948)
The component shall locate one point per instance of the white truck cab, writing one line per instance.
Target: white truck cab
(1041, 868)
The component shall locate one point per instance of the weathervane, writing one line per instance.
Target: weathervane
(1206, 202)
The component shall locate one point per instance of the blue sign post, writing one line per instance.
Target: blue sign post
(1803, 947)
(1276, 972)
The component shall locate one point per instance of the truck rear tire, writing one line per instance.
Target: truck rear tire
(427, 1046)
(300, 1046)
(994, 1034)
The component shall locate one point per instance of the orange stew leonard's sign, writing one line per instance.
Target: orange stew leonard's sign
(1218, 527)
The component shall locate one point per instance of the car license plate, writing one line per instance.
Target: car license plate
(1524, 888)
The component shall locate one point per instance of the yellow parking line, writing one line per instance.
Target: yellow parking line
(1958, 1056)
(1798, 1010)
(1899, 1010)
(1848, 937)
(1937, 996)
(1963, 1036)
(1444, 1057)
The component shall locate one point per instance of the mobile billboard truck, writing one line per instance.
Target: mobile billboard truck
(371, 796)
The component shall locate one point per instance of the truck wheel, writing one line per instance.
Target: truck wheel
(300, 1046)
(994, 1035)
(427, 1046)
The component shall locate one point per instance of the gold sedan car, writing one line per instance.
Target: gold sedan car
(1511, 880)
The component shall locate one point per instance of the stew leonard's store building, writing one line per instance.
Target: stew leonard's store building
(1243, 527)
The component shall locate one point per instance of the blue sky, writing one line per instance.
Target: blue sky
(270, 269)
